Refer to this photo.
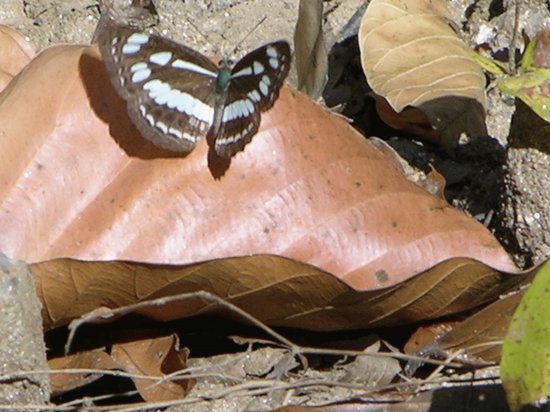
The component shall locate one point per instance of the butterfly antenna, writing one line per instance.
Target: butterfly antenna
(204, 36)
(247, 35)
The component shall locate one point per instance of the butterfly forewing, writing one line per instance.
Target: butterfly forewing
(255, 83)
(168, 87)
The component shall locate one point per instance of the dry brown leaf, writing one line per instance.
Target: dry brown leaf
(79, 181)
(410, 119)
(426, 335)
(153, 357)
(372, 371)
(93, 359)
(481, 335)
(291, 293)
(412, 57)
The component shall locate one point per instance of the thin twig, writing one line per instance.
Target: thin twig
(75, 324)
(296, 350)
(249, 388)
(254, 389)
(512, 47)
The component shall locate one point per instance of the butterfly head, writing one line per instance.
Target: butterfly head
(226, 63)
(223, 79)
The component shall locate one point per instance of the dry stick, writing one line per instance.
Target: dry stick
(295, 349)
(183, 374)
(288, 396)
(286, 386)
(32, 407)
(257, 388)
(77, 371)
(264, 386)
(249, 388)
(78, 403)
(75, 324)
(512, 47)
(399, 356)
(441, 367)
(186, 374)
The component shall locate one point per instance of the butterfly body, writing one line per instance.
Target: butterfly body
(176, 96)
(224, 77)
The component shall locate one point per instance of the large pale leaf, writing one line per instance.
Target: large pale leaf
(412, 57)
(16, 53)
(308, 202)
(79, 181)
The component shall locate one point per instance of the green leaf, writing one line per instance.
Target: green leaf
(489, 65)
(525, 365)
(527, 59)
(533, 88)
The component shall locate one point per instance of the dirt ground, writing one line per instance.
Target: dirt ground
(523, 214)
(519, 217)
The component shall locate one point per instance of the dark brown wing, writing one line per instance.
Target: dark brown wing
(255, 83)
(169, 88)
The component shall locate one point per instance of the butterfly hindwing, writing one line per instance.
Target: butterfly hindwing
(255, 83)
(240, 122)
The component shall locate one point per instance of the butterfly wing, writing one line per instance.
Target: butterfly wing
(169, 88)
(255, 83)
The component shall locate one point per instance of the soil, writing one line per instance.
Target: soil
(522, 215)
(22, 346)
(506, 186)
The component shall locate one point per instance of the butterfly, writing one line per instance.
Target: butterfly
(175, 95)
